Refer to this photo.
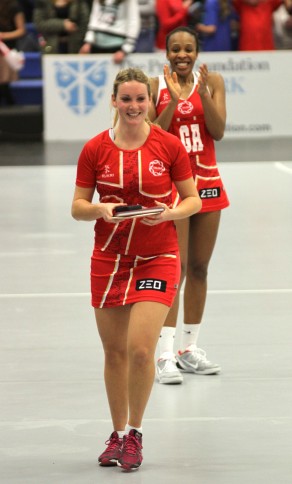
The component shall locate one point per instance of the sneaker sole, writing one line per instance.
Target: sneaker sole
(210, 371)
(128, 468)
(108, 463)
(170, 381)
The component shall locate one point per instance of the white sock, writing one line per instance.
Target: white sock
(129, 427)
(121, 433)
(166, 342)
(190, 336)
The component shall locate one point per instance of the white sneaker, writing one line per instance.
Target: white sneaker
(195, 361)
(167, 372)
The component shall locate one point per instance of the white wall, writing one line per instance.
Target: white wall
(77, 91)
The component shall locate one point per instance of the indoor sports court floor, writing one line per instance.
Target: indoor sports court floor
(233, 428)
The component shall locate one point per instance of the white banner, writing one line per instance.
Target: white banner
(77, 92)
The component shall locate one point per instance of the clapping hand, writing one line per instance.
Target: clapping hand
(172, 83)
(202, 86)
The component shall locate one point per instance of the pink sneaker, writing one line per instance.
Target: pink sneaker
(131, 457)
(113, 451)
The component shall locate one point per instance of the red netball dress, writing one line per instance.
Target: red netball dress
(132, 261)
(188, 124)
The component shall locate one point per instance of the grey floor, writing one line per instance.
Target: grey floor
(232, 428)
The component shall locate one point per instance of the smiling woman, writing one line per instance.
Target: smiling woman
(131, 99)
(191, 105)
(135, 265)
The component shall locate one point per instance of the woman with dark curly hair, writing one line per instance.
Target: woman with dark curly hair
(190, 103)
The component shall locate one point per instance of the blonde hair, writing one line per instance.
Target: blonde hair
(127, 75)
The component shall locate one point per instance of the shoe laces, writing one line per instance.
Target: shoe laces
(201, 355)
(169, 364)
(113, 442)
(131, 444)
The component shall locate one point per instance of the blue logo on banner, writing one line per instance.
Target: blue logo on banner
(81, 83)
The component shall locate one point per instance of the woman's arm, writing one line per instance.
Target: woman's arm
(174, 88)
(213, 101)
(206, 29)
(83, 208)
(44, 20)
(189, 205)
(19, 31)
(190, 200)
(172, 14)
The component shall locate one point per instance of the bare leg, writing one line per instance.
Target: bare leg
(167, 371)
(129, 335)
(202, 237)
(182, 228)
(112, 325)
(144, 328)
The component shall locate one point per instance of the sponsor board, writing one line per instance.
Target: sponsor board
(77, 91)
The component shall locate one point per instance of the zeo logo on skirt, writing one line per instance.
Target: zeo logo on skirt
(152, 284)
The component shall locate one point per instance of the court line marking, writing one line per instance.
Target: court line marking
(282, 167)
(87, 294)
(73, 424)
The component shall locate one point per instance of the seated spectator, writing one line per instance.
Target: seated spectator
(12, 28)
(256, 23)
(146, 39)
(113, 28)
(61, 25)
(12, 23)
(215, 30)
(170, 15)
